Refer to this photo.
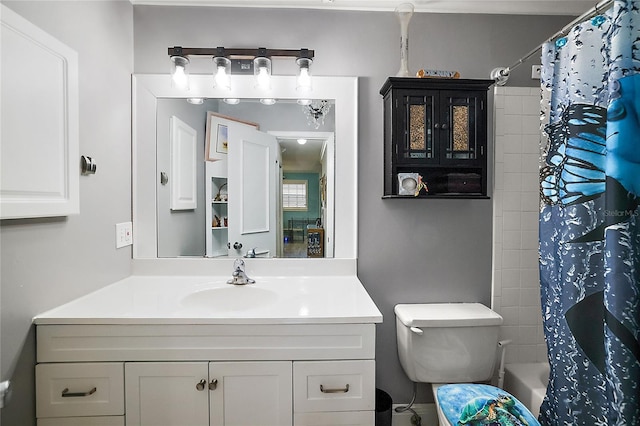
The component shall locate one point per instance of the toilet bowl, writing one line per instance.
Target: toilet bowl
(453, 346)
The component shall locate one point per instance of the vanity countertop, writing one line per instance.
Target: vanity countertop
(144, 299)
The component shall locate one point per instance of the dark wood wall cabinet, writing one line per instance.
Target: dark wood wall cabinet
(435, 129)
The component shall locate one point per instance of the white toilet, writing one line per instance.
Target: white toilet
(452, 345)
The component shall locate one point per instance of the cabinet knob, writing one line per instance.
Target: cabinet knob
(237, 245)
(436, 126)
(213, 385)
(201, 384)
(445, 126)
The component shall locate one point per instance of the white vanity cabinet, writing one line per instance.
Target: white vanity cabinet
(194, 351)
(253, 374)
(214, 393)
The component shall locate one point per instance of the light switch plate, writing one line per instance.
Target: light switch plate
(124, 234)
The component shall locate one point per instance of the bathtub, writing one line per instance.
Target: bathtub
(528, 383)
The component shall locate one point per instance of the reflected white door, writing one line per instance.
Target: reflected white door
(252, 174)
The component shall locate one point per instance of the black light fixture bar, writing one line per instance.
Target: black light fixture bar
(235, 53)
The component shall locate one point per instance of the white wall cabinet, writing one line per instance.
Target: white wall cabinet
(154, 375)
(39, 154)
(183, 182)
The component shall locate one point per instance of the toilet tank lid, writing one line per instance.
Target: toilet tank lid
(446, 315)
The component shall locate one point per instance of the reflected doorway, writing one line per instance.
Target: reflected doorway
(306, 208)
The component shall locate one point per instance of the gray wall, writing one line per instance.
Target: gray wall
(409, 250)
(46, 262)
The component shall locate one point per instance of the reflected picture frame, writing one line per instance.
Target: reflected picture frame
(217, 136)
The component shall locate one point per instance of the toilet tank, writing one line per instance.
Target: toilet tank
(447, 342)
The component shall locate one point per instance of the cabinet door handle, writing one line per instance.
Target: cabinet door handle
(67, 394)
(340, 390)
(445, 126)
(213, 385)
(201, 384)
(436, 126)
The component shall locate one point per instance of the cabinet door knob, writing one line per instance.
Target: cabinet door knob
(213, 385)
(436, 126)
(201, 384)
(445, 126)
(237, 245)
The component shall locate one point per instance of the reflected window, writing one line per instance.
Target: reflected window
(294, 195)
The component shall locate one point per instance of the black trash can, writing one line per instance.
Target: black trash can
(384, 405)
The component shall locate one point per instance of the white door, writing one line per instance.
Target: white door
(166, 394)
(252, 173)
(251, 393)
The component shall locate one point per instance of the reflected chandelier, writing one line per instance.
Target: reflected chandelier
(316, 112)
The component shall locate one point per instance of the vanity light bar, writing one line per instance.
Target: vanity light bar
(261, 58)
(234, 53)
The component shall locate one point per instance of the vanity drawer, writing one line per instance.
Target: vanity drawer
(79, 389)
(334, 386)
(82, 421)
(335, 418)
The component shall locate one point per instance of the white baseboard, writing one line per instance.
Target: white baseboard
(427, 412)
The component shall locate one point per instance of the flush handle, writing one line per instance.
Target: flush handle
(417, 330)
(339, 390)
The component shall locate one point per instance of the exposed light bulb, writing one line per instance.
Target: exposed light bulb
(264, 81)
(180, 77)
(222, 74)
(222, 79)
(262, 72)
(302, 141)
(303, 81)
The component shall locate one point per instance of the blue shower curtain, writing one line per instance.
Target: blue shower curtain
(590, 220)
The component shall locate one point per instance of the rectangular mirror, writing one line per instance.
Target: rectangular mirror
(287, 229)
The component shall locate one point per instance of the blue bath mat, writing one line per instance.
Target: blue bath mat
(476, 404)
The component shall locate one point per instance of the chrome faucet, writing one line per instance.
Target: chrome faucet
(239, 277)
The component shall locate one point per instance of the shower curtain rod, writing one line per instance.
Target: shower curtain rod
(501, 75)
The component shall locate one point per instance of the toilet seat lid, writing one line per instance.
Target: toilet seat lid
(446, 315)
(462, 403)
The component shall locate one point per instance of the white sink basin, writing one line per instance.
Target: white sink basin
(231, 298)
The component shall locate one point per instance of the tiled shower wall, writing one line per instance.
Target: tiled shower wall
(516, 285)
